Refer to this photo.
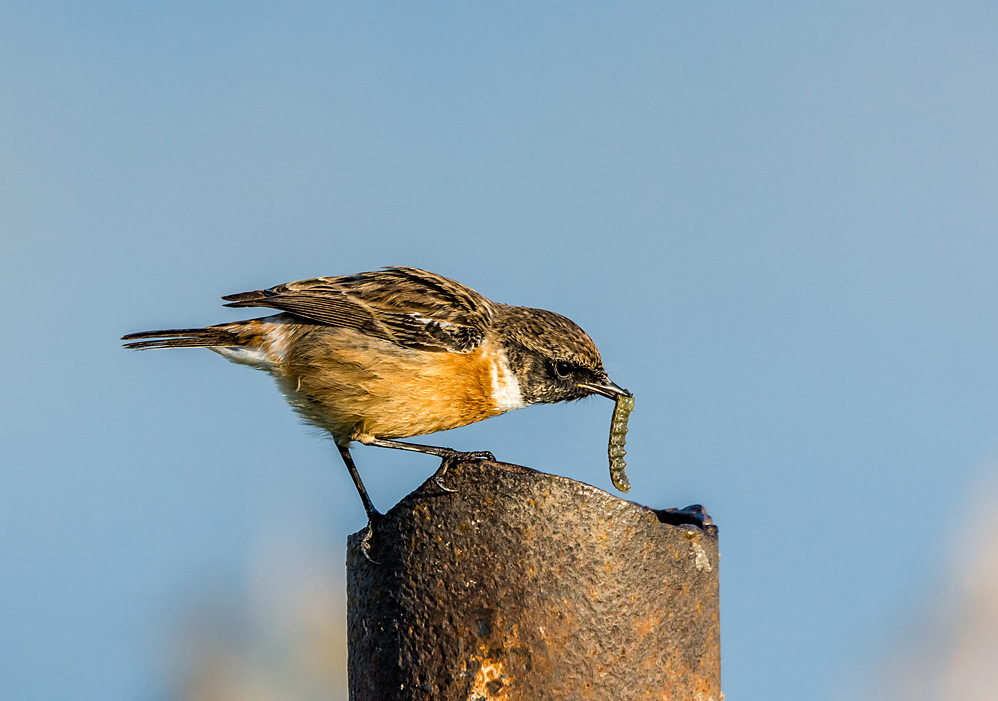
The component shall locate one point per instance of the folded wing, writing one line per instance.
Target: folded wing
(411, 307)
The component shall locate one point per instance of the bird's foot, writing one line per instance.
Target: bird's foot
(440, 483)
(456, 456)
(365, 541)
(445, 462)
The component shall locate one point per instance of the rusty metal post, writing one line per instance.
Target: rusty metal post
(524, 585)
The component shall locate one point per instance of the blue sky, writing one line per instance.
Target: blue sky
(777, 222)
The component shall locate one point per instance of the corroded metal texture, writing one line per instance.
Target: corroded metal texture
(524, 585)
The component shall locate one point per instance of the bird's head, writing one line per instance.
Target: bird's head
(554, 360)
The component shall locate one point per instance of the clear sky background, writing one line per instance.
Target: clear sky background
(778, 222)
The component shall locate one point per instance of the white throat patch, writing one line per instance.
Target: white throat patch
(505, 387)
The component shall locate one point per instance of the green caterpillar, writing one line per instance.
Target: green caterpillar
(622, 409)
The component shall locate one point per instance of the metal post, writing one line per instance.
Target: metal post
(524, 585)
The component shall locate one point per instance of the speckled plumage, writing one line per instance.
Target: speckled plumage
(400, 352)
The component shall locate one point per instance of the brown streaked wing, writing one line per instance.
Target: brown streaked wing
(411, 307)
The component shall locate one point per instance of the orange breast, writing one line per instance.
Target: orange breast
(356, 386)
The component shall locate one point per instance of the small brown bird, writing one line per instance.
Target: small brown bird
(400, 352)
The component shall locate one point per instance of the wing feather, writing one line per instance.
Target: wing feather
(411, 307)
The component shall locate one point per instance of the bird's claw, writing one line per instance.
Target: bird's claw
(440, 483)
(442, 470)
(365, 542)
(456, 456)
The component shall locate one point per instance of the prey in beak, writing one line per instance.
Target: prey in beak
(622, 408)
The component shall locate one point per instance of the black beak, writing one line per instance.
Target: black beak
(607, 388)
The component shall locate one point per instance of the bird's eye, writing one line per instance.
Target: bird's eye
(562, 369)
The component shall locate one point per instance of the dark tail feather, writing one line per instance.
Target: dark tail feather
(183, 338)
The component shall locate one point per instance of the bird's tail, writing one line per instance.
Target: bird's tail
(212, 336)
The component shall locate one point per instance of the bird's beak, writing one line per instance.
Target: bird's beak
(607, 388)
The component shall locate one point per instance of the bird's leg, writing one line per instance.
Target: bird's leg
(440, 452)
(447, 455)
(372, 513)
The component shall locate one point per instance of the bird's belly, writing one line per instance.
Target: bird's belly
(357, 387)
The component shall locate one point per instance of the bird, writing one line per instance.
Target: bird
(400, 352)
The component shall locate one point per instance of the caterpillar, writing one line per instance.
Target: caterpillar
(622, 409)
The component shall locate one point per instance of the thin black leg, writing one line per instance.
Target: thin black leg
(429, 449)
(447, 455)
(372, 513)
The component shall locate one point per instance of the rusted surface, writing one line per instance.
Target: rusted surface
(524, 585)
